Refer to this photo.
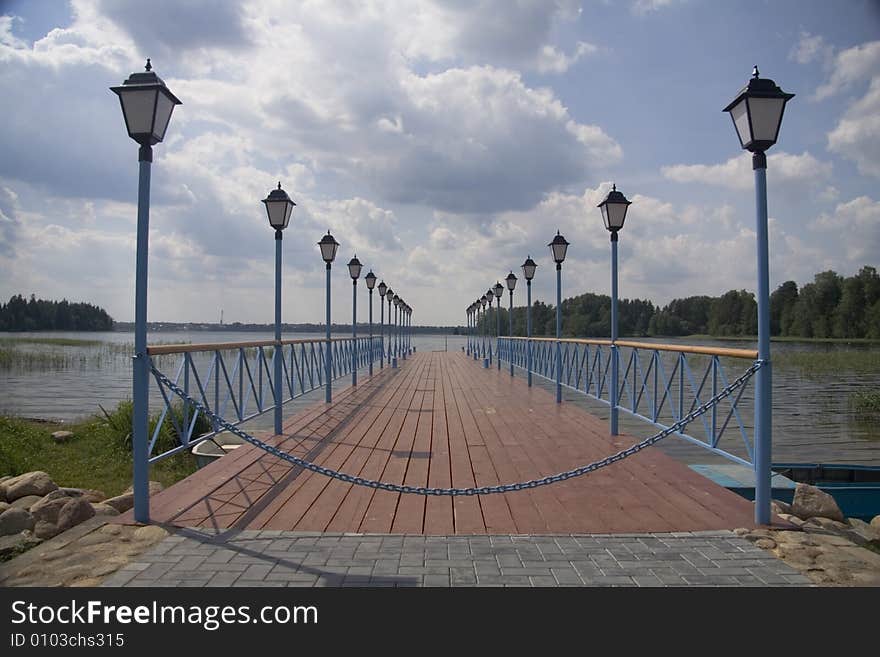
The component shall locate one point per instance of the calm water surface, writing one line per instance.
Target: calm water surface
(812, 416)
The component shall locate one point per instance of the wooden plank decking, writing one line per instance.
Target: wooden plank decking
(442, 420)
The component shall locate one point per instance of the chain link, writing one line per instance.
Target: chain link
(480, 490)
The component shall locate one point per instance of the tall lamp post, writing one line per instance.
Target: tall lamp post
(354, 270)
(498, 290)
(511, 284)
(403, 329)
(328, 246)
(370, 280)
(390, 296)
(382, 290)
(490, 296)
(146, 107)
(396, 329)
(528, 268)
(614, 209)
(279, 207)
(558, 248)
(757, 116)
(483, 301)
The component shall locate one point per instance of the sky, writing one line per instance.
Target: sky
(440, 142)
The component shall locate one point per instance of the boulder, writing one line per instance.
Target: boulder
(46, 530)
(121, 503)
(76, 510)
(26, 502)
(102, 509)
(48, 508)
(16, 544)
(15, 521)
(89, 494)
(875, 522)
(62, 436)
(4, 506)
(778, 506)
(810, 502)
(861, 533)
(30, 483)
(155, 487)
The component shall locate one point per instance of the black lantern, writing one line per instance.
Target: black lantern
(382, 289)
(370, 280)
(528, 268)
(279, 207)
(328, 246)
(511, 281)
(558, 247)
(146, 105)
(614, 209)
(757, 113)
(354, 268)
(483, 300)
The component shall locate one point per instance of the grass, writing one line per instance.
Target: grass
(58, 342)
(97, 456)
(865, 402)
(780, 338)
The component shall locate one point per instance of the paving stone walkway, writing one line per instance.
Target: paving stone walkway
(276, 558)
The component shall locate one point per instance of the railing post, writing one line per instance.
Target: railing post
(763, 383)
(141, 361)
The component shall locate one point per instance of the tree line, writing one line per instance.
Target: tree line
(832, 306)
(43, 315)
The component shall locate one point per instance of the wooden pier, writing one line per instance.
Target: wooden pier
(442, 420)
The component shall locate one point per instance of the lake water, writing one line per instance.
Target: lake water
(813, 419)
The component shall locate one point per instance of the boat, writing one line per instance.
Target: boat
(855, 488)
(211, 449)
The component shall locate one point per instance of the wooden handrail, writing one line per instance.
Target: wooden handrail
(157, 350)
(749, 354)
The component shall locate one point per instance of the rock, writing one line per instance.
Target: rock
(810, 502)
(48, 508)
(4, 506)
(17, 543)
(155, 487)
(766, 543)
(875, 522)
(62, 436)
(46, 530)
(861, 533)
(121, 503)
(780, 507)
(30, 483)
(89, 494)
(827, 523)
(26, 502)
(741, 531)
(149, 534)
(76, 510)
(15, 521)
(794, 520)
(102, 509)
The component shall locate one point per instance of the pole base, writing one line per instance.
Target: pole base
(486, 363)
(393, 363)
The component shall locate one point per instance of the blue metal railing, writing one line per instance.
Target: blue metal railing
(657, 383)
(235, 380)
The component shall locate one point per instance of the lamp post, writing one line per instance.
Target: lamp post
(146, 107)
(390, 296)
(511, 284)
(467, 312)
(279, 207)
(354, 270)
(370, 280)
(490, 297)
(757, 116)
(328, 246)
(382, 290)
(396, 329)
(614, 209)
(498, 290)
(528, 268)
(403, 329)
(558, 248)
(483, 301)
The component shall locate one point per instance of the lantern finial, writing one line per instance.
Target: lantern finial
(755, 72)
(279, 184)
(148, 67)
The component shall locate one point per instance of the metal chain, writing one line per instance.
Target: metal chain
(480, 490)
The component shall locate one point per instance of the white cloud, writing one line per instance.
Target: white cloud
(854, 229)
(857, 134)
(853, 65)
(736, 173)
(551, 60)
(642, 7)
(810, 48)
